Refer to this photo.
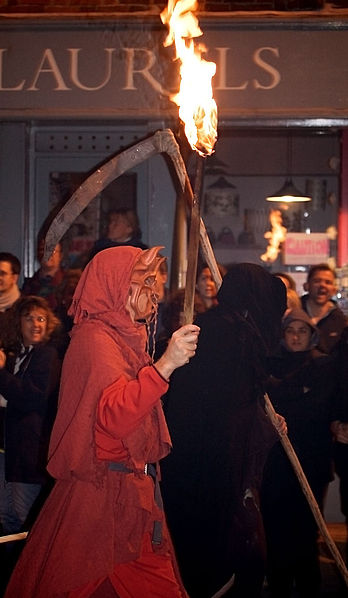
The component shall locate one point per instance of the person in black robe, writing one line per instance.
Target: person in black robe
(221, 436)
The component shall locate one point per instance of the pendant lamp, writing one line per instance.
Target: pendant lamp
(288, 193)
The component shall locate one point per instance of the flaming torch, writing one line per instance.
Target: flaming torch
(197, 111)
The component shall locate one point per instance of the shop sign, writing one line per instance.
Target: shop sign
(122, 69)
(305, 249)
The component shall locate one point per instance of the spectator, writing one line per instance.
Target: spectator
(64, 293)
(293, 301)
(29, 385)
(102, 531)
(123, 229)
(323, 311)
(287, 280)
(54, 284)
(221, 437)
(205, 296)
(48, 277)
(10, 269)
(302, 387)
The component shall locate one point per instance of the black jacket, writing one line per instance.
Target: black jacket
(330, 327)
(31, 396)
(303, 388)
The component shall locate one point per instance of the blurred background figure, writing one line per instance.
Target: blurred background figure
(48, 277)
(122, 229)
(64, 294)
(205, 296)
(293, 301)
(56, 285)
(10, 269)
(287, 280)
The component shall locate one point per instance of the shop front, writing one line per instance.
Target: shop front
(73, 94)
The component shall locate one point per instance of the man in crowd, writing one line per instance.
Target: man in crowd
(10, 269)
(48, 277)
(122, 229)
(323, 311)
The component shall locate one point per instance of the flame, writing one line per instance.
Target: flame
(276, 236)
(197, 107)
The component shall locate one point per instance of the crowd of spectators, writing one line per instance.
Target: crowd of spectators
(304, 373)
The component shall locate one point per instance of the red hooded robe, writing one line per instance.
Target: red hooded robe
(109, 410)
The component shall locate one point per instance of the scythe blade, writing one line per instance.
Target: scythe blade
(162, 141)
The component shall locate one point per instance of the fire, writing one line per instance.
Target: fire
(197, 107)
(276, 236)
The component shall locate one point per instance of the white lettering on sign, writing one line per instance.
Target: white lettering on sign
(274, 74)
(20, 85)
(257, 59)
(144, 72)
(74, 69)
(52, 68)
(47, 74)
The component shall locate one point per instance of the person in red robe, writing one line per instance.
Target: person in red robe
(102, 531)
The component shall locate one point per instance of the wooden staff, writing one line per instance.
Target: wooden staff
(307, 492)
(193, 245)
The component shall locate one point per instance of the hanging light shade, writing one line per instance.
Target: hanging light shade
(288, 193)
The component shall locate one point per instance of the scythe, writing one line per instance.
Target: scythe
(163, 141)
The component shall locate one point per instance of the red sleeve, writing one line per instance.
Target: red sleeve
(125, 402)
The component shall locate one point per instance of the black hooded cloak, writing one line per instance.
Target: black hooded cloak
(221, 437)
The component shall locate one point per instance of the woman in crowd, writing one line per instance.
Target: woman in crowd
(302, 387)
(205, 297)
(221, 437)
(29, 380)
(102, 531)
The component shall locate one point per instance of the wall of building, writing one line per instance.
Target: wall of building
(154, 5)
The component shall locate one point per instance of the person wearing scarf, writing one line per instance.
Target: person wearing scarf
(221, 437)
(10, 269)
(102, 531)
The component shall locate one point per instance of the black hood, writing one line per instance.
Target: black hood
(252, 292)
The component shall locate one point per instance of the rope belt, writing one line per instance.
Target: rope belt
(149, 469)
